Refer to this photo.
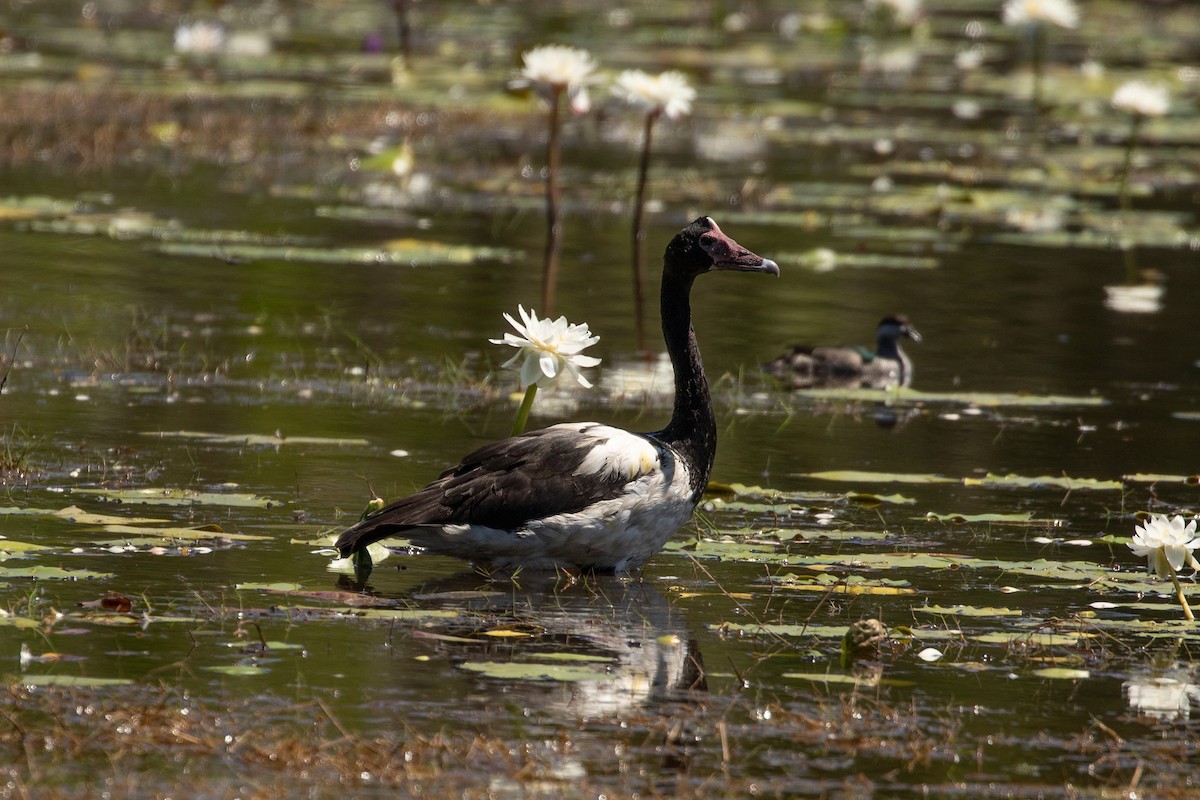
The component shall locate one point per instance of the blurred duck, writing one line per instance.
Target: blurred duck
(851, 367)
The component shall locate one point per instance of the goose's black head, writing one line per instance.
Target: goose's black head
(702, 246)
(895, 326)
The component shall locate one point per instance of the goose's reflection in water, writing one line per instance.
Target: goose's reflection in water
(590, 646)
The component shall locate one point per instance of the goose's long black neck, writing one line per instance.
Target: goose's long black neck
(692, 431)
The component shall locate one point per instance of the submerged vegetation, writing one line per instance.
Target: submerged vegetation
(254, 251)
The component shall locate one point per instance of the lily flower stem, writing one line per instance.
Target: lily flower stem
(523, 411)
(553, 228)
(639, 234)
(1187, 610)
(1039, 47)
(1127, 165)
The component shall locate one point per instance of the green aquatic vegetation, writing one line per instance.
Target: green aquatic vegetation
(1155, 477)
(238, 670)
(1032, 637)
(523, 671)
(69, 681)
(11, 546)
(46, 573)
(871, 499)
(905, 396)
(825, 260)
(398, 252)
(967, 611)
(1012, 481)
(257, 439)
(1062, 673)
(175, 534)
(1017, 518)
(168, 496)
(862, 476)
(397, 614)
(865, 679)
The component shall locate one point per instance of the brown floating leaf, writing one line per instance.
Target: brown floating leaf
(111, 601)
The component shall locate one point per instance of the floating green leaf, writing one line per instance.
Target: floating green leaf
(256, 439)
(908, 396)
(1019, 518)
(400, 252)
(408, 614)
(865, 498)
(968, 611)
(583, 657)
(181, 534)
(1012, 481)
(1062, 673)
(1154, 477)
(13, 546)
(75, 681)
(512, 670)
(43, 573)
(269, 587)
(181, 497)
(1041, 638)
(834, 677)
(859, 476)
(81, 517)
(239, 670)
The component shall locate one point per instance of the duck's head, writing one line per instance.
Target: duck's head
(896, 326)
(702, 247)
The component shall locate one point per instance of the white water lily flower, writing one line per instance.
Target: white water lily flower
(200, 37)
(548, 348)
(905, 12)
(1167, 544)
(1062, 13)
(667, 93)
(562, 68)
(1142, 98)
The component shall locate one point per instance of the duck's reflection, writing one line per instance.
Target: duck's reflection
(580, 646)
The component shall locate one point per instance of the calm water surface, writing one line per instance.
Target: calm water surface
(126, 346)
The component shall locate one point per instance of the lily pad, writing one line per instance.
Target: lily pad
(408, 614)
(513, 670)
(908, 396)
(181, 497)
(1042, 482)
(239, 670)
(1154, 477)
(1062, 673)
(186, 534)
(257, 439)
(43, 573)
(580, 657)
(13, 546)
(1019, 518)
(835, 677)
(860, 476)
(968, 611)
(269, 587)
(1041, 638)
(75, 681)
(81, 517)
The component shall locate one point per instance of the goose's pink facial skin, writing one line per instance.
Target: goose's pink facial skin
(728, 254)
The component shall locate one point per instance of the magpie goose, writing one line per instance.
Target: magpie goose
(851, 367)
(582, 494)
